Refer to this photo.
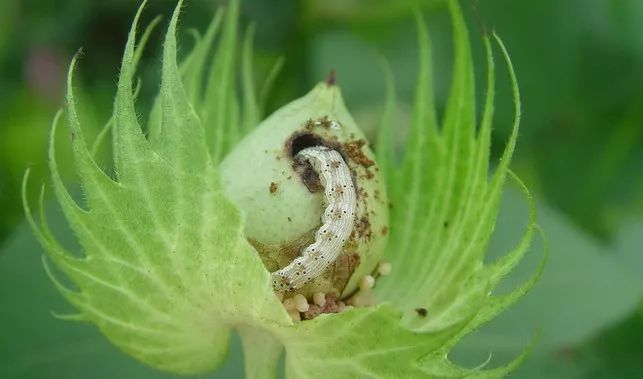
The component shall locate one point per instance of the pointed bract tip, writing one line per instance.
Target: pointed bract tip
(331, 78)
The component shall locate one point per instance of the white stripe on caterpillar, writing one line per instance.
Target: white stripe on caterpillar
(337, 220)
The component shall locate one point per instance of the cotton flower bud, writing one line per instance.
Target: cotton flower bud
(296, 203)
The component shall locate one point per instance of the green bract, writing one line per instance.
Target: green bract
(175, 243)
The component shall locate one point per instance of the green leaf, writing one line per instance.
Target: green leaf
(374, 343)
(627, 247)
(193, 70)
(386, 136)
(567, 287)
(444, 207)
(269, 82)
(219, 111)
(583, 282)
(38, 345)
(359, 343)
(166, 271)
(251, 115)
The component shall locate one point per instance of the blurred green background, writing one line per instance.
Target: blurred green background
(580, 69)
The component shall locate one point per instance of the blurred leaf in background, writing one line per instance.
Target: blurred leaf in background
(581, 69)
(587, 289)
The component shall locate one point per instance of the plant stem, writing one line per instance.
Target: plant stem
(261, 353)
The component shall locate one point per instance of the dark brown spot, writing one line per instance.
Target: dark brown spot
(273, 187)
(325, 122)
(421, 312)
(332, 305)
(354, 151)
(384, 230)
(331, 78)
(363, 228)
(310, 124)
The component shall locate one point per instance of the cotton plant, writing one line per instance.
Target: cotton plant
(212, 221)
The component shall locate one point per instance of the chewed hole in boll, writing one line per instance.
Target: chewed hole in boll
(338, 223)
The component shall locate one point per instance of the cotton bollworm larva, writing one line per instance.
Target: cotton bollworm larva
(338, 220)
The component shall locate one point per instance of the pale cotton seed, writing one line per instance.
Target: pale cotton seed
(289, 304)
(294, 315)
(319, 298)
(301, 304)
(362, 299)
(384, 268)
(367, 282)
